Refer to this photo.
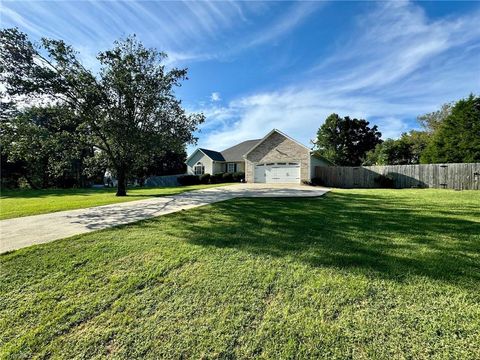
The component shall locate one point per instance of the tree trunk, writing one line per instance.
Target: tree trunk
(45, 176)
(122, 183)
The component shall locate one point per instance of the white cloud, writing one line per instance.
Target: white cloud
(215, 97)
(296, 15)
(399, 65)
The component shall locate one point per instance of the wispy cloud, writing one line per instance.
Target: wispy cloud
(293, 17)
(187, 30)
(215, 97)
(398, 65)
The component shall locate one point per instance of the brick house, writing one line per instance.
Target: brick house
(276, 158)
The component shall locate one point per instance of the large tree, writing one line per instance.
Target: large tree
(457, 138)
(128, 110)
(169, 163)
(345, 141)
(43, 144)
(432, 121)
(403, 151)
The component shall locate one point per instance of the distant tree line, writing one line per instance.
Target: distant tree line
(449, 135)
(64, 125)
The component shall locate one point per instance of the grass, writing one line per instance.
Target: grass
(364, 274)
(17, 203)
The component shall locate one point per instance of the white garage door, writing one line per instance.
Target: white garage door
(277, 173)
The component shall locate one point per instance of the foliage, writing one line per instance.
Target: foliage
(457, 138)
(432, 121)
(316, 181)
(11, 172)
(128, 111)
(238, 176)
(368, 274)
(227, 177)
(403, 151)
(384, 181)
(345, 141)
(43, 144)
(205, 179)
(16, 203)
(186, 180)
(168, 163)
(96, 167)
(216, 178)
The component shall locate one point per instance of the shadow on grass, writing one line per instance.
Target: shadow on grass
(370, 233)
(136, 192)
(80, 191)
(54, 192)
(101, 217)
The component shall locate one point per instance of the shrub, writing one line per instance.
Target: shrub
(384, 181)
(216, 178)
(316, 181)
(227, 177)
(188, 180)
(205, 179)
(238, 176)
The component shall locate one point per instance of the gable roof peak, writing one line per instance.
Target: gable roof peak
(212, 154)
(274, 130)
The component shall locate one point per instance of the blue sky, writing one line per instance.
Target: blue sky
(254, 66)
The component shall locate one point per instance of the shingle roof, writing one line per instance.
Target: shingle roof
(214, 155)
(235, 153)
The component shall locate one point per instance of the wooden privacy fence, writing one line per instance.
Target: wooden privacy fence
(442, 176)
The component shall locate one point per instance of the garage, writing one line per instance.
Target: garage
(277, 173)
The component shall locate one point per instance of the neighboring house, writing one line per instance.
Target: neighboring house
(277, 158)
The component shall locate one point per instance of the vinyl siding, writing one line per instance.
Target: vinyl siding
(314, 162)
(200, 157)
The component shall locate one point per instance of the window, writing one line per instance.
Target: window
(281, 163)
(231, 167)
(199, 169)
(292, 163)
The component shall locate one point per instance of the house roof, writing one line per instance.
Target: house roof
(235, 153)
(239, 151)
(270, 133)
(214, 155)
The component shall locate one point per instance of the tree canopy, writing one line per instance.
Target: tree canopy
(346, 141)
(406, 150)
(42, 143)
(457, 137)
(451, 134)
(128, 111)
(430, 122)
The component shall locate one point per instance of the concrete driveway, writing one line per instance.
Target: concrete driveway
(30, 230)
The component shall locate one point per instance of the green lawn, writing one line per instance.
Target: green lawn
(382, 274)
(16, 203)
